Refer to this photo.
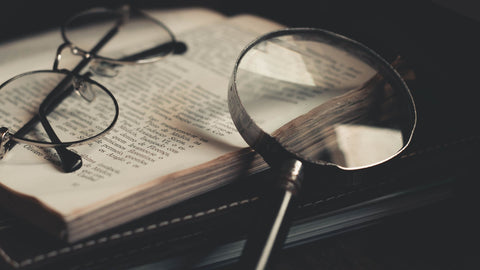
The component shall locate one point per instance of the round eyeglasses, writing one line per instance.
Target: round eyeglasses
(61, 108)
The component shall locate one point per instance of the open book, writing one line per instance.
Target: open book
(174, 138)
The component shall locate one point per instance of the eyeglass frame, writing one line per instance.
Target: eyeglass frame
(70, 160)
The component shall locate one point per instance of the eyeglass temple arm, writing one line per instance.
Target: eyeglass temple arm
(70, 160)
(163, 49)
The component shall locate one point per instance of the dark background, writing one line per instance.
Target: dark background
(441, 44)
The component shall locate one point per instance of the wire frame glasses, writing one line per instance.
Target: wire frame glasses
(60, 108)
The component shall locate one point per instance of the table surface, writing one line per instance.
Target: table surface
(443, 236)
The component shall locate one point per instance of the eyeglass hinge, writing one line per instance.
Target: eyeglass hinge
(4, 139)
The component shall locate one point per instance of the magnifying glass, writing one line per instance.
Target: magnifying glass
(307, 98)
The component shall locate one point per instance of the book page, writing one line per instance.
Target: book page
(173, 116)
(38, 52)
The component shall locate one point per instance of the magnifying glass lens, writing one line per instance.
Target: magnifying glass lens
(325, 98)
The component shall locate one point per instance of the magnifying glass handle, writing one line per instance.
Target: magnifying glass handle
(273, 221)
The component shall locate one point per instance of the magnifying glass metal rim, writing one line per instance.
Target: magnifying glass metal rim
(268, 146)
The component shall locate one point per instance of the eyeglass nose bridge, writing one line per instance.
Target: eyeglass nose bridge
(74, 50)
(98, 66)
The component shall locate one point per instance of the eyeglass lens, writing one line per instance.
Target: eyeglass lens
(139, 37)
(85, 112)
